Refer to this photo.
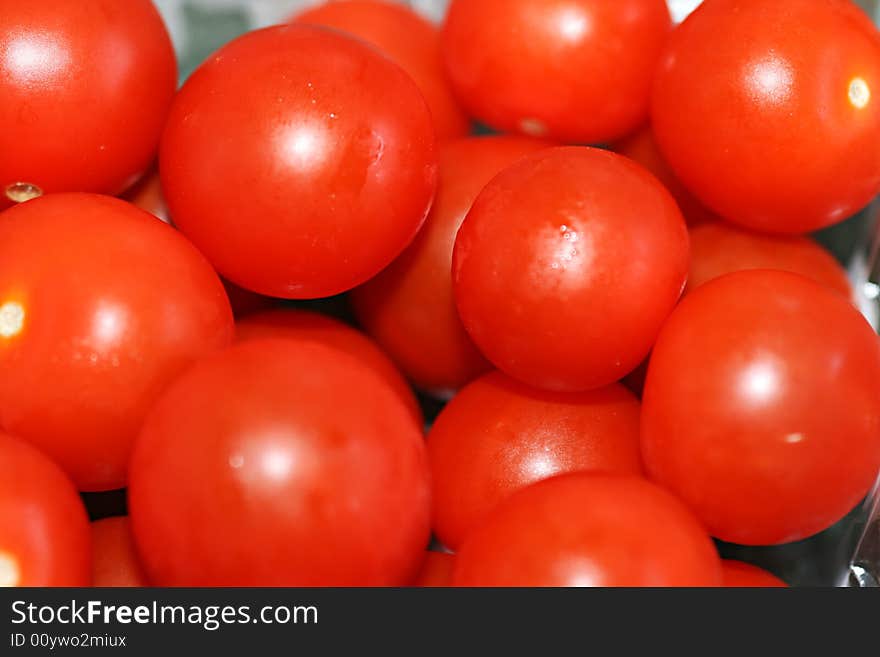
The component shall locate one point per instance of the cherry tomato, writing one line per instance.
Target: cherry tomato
(85, 88)
(589, 530)
(409, 307)
(761, 408)
(116, 562)
(737, 574)
(410, 41)
(101, 306)
(498, 436)
(573, 70)
(244, 302)
(436, 570)
(147, 195)
(305, 325)
(718, 248)
(280, 462)
(567, 265)
(299, 160)
(642, 147)
(769, 112)
(44, 530)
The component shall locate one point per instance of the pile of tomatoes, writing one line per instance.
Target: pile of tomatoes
(640, 347)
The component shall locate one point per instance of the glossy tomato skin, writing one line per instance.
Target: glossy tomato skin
(146, 194)
(641, 146)
(589, 530)
(761, 408)
(718, 248)
(738, 574)
(314, 327)
(288, 165)
(566, 266)
(276, 448)
(101, 306)
(769, 112)
(116, 562)
(409, 307)
(498, 436)
(410, 41)
(85, 88)
(44, 529)
(436, 571)
(571, 70)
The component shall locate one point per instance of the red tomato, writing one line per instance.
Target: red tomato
(147, 195)
(299, 160)
(498, 436)
(573, 70)
(642, 147)
(305, 325)
(85, 87)
(589, 530)
(737, 574)
(761, 408)
(769, 112)
(567, 265)
(244, 302)
(718, 248)
(408, 40)
(409, 307)
(116, 562)
(44, 530)
(101, 306)
(280, 463)
(436, 570)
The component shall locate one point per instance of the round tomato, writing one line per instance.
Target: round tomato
(589, 530)
(409, 40)
(147, 195)
(498, 436)
(44, 529)
(305, 325)
(116, 562)
(436, 570)
(737, 574)
(769, 112)
(280, 462)
(642, 147)
(299, 160)
(567, 265)
(573, 70)
(85, 87)
(761, 408)
(718, 248)
(409, 307)
(101, 306)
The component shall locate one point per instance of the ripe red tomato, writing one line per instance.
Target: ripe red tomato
(574, 70)
(116, 562)
(436, 570)
(44, 530)
(85, 87)
(498, 436)
(314, 327)
(147, 195)
(642, 147)
(718, 248)
(280, 462)
(244, 302)
(589, 530)
(737, 574)
(409, 308)
(567, 265)
(299, 160)
(761, 409)
(769, 112)
(410, 41)
(101, 306)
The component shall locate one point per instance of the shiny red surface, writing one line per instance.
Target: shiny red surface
(761, 408)
(567, 265)
(299, 160)
(116, 562)
(101, 306)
